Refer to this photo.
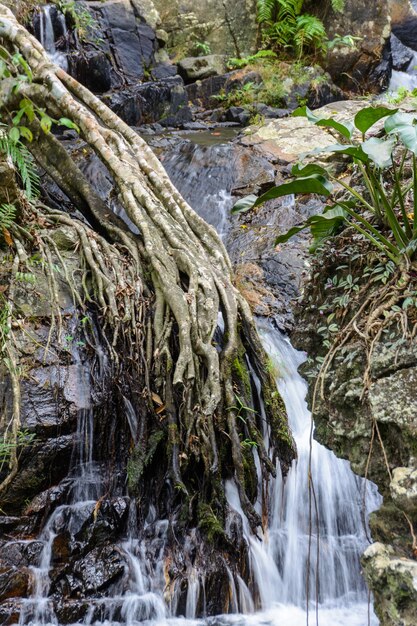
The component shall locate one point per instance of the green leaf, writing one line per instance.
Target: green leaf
(26, 133)
(245, 204)
(46, 123)
(379, 150)
(322, 226)
(349, 149)
(312, 184)
(346, 129)
(366, 118)
(308, 170)
(395, 122)
(14, 134)
(65, 121)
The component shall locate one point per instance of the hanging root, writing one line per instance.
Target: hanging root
(185, 263)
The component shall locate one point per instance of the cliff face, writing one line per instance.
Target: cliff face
(365, 411)
(228, 27)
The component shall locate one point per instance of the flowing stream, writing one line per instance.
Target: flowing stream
(52, 28)
(330, 529)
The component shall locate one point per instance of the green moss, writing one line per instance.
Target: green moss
(240, 372)
(140, 458)
(251, 478)
(209, 523)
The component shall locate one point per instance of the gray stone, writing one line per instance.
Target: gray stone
(198, 68)
(401, 55)
(188, 22)
(403, 487)
(238, 115)
(394, 399)
(393, 582)
(128, 52)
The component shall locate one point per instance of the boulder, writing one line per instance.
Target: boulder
(401, 54)
(226, 26)
(362, 67)
(393, 583)
(403, 487)
(238, 115)
(198, 68)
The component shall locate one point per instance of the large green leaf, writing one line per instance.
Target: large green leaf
(404, 124)
(312, 184)
(395, 122)
(366, 118)
(307, 170)
(379, 150)
(346, 129)
(321, 226)
(244, 204)
(349, 149)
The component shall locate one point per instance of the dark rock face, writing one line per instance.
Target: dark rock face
(406, 32)
(356, 68)
(122, 53)
(401, 54)
(348, 416)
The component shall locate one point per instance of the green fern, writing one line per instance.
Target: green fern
(309, 33)
(7, 215)
(338, 5)
(24, 164)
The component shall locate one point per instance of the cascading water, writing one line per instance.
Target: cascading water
(406, 79)
(52, 27)
(204, 176)
(279, 564)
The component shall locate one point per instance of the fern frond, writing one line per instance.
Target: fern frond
(7, 215)
(266, 10)
(338, 5)
(24, 164)
(310, 33)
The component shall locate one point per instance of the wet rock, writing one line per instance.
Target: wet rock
(354, 67)
(99, 568)
(14, 582)
(403, 487)
(270, 112)
(406, 32)
(8, 523)
(21, 553)
(94, 70)
(393, 582)
(197, 68)
(401, 55)
(238, 115)
(163, 101)
(39, 467)
(9, 612)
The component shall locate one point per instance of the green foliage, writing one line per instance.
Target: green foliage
(401, 94)
(7, 215)
(342, 41)
(82, 20)
(384, 210)
(285, 26)
(202, 48)
(22, 160)
(23, 439)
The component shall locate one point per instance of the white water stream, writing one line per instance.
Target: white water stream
(334, 538)
(48, 37)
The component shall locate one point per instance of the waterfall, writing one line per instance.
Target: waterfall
(334, 537)
(408, 78)
(52, 26)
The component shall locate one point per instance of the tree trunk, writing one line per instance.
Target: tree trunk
(186, 268)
